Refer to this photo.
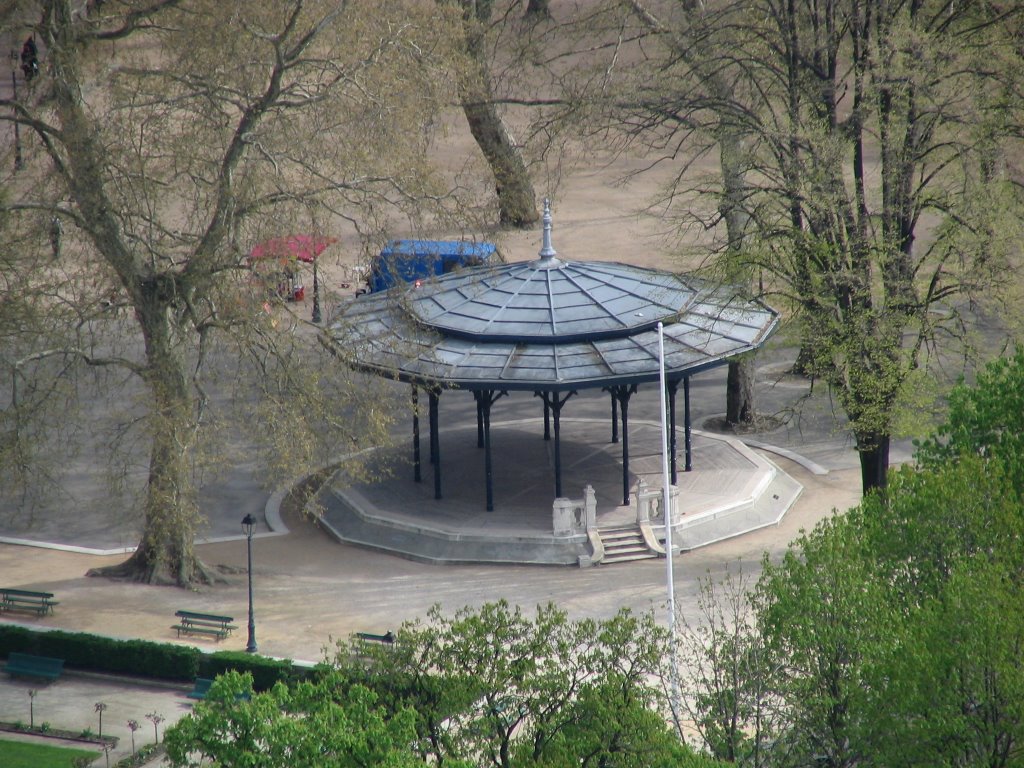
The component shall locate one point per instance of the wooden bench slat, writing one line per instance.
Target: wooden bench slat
(204, 616)
(203, 623)
(25, 592)
(198, 623)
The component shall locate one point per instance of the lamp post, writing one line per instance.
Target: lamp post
(316, 294)
(248, 523)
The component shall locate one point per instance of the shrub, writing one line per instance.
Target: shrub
(143, 658)
(103, 654)
(265, 672)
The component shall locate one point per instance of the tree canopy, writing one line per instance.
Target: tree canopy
(217, 125)
(866, 171)
(889, 635)
(481, 687)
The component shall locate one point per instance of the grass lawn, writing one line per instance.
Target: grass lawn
(20, 754)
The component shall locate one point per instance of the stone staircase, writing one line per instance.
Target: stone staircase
(624, 544)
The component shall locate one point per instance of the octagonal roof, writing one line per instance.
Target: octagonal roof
(550, 324)
(572, 301)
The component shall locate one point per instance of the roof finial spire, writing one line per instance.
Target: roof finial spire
(547, 250)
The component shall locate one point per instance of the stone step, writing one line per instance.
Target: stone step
(608, 534)
(624, 545)
(612, 559)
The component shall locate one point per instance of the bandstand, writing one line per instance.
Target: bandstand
(549, 328)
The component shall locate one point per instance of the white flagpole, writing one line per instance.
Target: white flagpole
(666, 505)
(666, 496)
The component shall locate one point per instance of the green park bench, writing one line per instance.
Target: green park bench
(27, 665)
(40, 603)
(200, 688)
(193, 623)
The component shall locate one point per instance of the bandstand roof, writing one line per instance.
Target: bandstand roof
(550, 324)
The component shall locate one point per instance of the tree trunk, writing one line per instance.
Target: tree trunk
(165, 554)
(516, 199)
(804, 363)
(739, 401)
(874, 461)
(739, 392)
(517, 203)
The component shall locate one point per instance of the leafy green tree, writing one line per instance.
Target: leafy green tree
(483, 687)
(825, 618)
(955, 682)
(937, 519)
(306, 725)
(890, 635)
(492, 687)
(726, 695)
(986, 419)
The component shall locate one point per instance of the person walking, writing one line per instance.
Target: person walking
(30, 58)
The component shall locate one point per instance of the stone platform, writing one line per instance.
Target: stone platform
(732, 489)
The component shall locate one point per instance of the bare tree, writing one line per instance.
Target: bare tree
(218, 124)
(854, 138)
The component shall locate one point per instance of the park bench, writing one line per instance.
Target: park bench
(200, 689)
(387, 638)
(27, 665)
(26, 600)
(364, 640)
(193, 623)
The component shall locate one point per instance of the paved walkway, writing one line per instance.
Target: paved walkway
(311, 590)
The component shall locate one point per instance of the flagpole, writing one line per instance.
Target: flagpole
(665, 487)
(666, 505)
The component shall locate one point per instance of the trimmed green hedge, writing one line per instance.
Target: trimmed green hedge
(163, 661)
(265, 672)
(143, 658)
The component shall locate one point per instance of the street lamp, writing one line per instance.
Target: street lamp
(316, 294)
(248, 523)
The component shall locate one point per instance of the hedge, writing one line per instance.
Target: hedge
(143, 658)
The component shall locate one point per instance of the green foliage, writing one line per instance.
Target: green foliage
(985, 420)
(310, 724)
(493, 686)
(956, 685)
(892, 634)
(142, 658)
(824, 617)
(19, 754)
(265, 671)
(103, 654)
(482, 687)
(934, 520)
(142, 756)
